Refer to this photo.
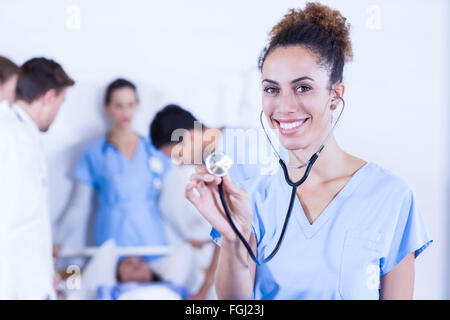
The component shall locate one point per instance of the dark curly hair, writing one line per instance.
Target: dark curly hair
(319, 28)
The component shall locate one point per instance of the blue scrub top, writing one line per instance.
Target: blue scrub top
(366, 230)
(127, 190)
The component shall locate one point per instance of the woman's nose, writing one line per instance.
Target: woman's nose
(287, 103)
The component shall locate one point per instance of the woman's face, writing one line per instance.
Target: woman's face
(135, 269)
(296, 97)
(122, 106)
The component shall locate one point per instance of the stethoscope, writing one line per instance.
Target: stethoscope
(219, 164)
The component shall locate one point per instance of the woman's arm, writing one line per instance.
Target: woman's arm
(209, 277)
(398, 284)
(236, 271)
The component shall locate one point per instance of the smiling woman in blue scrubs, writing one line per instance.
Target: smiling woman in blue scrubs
(355, 228)
(125, 170)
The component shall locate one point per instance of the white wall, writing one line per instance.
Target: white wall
(202, 54)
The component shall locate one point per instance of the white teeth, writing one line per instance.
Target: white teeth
(291, 125)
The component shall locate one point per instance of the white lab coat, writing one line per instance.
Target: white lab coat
(26, 264)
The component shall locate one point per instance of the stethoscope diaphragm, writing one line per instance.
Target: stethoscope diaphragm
(218, 164)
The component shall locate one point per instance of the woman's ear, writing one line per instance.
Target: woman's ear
(338, 89)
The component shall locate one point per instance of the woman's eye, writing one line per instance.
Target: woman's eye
(302, 89)
(271, 90)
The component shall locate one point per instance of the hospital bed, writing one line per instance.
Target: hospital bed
(80, 284)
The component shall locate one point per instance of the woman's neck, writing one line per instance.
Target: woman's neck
(121, 134)
(329, 163)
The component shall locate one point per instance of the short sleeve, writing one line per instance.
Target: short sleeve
(215, 235)
(84, 169)
(410, 235)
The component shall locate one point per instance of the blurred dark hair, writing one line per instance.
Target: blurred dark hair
(39, 75)
(156, 277)
(118, 84)
(166, 121)
(7, 69)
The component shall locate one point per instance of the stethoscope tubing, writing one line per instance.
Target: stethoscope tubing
(294, 186)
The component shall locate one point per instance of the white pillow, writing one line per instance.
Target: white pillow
(101, 270)
(153, 292)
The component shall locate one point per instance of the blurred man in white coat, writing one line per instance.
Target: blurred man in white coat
(26, 263)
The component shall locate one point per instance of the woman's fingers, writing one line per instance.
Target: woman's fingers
(205, 177)
(190, 193)
(230, 186)
(200, 168)
(203, 191)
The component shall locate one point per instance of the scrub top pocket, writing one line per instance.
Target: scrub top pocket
(359, 276)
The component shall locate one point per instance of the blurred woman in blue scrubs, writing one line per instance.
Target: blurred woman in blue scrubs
(355, 228)
(125, 170)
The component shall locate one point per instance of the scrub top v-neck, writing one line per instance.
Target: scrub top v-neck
(128, 191)
(363, 233)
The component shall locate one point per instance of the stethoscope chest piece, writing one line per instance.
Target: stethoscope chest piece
(218, 164)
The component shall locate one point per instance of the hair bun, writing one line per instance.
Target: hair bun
(330, 21)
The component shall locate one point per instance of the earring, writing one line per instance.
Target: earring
(333, 107)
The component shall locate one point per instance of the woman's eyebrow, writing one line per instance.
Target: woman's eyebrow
(293, 81)
(301, 78)
(271, 81)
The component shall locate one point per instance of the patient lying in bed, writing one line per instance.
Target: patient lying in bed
(136, 281)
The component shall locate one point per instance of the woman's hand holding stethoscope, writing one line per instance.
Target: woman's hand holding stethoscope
(208, 203)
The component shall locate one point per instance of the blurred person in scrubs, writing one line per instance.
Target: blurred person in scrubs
(355, 229)
(9, 72)
(123, 171)
(26, 264)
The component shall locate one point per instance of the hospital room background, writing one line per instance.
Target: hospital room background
(203, 55)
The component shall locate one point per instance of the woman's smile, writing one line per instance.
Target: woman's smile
(288, 127)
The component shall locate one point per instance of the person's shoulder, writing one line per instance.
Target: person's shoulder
(11, 129)
(8, 124)
(385, 180)
(96, 143)
(95, 146)
(150, 147)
